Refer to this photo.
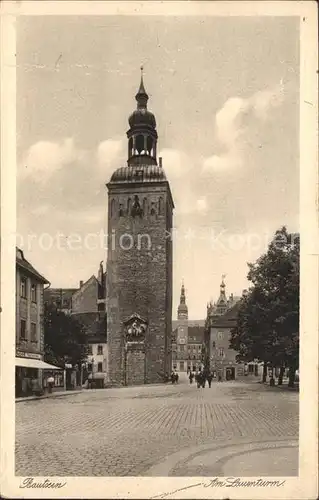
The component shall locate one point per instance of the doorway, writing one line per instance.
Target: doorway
(230, 373)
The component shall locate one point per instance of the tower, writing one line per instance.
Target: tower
(139, 260)
(182, 331)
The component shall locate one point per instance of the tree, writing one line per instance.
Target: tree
(64, 338)
(268, 318)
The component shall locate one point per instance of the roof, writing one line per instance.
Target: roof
(196, 334)
(53, 294)
(94, 324)
(229, 319)
(22, 262)
(86, 284)
(190, 322)
(138, 173)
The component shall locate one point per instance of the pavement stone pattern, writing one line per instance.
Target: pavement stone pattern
(127, 431)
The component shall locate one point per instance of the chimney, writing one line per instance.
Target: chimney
(160, 161)
(81, 284)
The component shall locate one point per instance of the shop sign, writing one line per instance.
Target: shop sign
(30, 355)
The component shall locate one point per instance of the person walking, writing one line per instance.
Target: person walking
(209, 379)
(50, 383)
(203, 380)
(191, 376)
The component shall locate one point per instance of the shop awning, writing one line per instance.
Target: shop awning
(35, 363)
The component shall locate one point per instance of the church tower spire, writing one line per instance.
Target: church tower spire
(142, 134)
(182, 310)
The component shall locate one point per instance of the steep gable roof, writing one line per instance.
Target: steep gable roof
(22, 262)
(229, 319)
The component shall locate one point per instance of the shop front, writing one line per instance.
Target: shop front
(29, 373)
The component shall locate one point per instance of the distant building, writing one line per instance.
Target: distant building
(87, 304)
(221, 319)
(95, 366)
(187, 339)
(29, 326)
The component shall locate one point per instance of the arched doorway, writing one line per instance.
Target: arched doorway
(230, 373)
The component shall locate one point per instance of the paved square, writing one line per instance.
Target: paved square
(234, 428)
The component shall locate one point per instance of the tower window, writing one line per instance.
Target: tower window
(129, 206)
(160, 206)
(121, 212)
(149, 145)
(139, 144)
(112, 208)
(130, 146)
(145, 206)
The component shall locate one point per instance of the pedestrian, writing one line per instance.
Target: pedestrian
(34, 386)
(176, 378)
(191, 376)
(203, 380)
(50, 383)
(209, 379)
(173, 378)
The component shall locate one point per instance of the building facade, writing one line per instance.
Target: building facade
(139, 259)
(221, 319)
(29, 325)
(187, 340)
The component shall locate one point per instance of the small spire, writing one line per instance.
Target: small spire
(182, 298)
(141, 95)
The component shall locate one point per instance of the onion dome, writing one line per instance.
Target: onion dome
(142, 116)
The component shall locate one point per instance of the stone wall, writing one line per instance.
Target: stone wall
(139, 276)
(135, 367)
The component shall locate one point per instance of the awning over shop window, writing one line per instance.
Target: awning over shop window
(35, 363)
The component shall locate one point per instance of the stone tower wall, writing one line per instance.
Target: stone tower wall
(139, 279)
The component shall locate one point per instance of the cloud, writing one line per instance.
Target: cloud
(109, 150)
(44, 158)
(202, 205)
(177, 167)
(233, 124)
(175, 163)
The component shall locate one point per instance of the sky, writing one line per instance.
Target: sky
(225, 93)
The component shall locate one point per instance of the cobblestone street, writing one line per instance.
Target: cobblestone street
(232, 428)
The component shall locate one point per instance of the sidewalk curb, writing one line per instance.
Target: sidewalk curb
(48, 396)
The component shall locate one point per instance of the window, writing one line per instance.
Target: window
(100, 349)
(23, 329)
(89, 349)
(33, 292)
(23, 288)
(100, 367)
(199, 347)
(250, 368)
(89, 367)
(214, 345)
(221, 352)
(220, 335)
(33, 332)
